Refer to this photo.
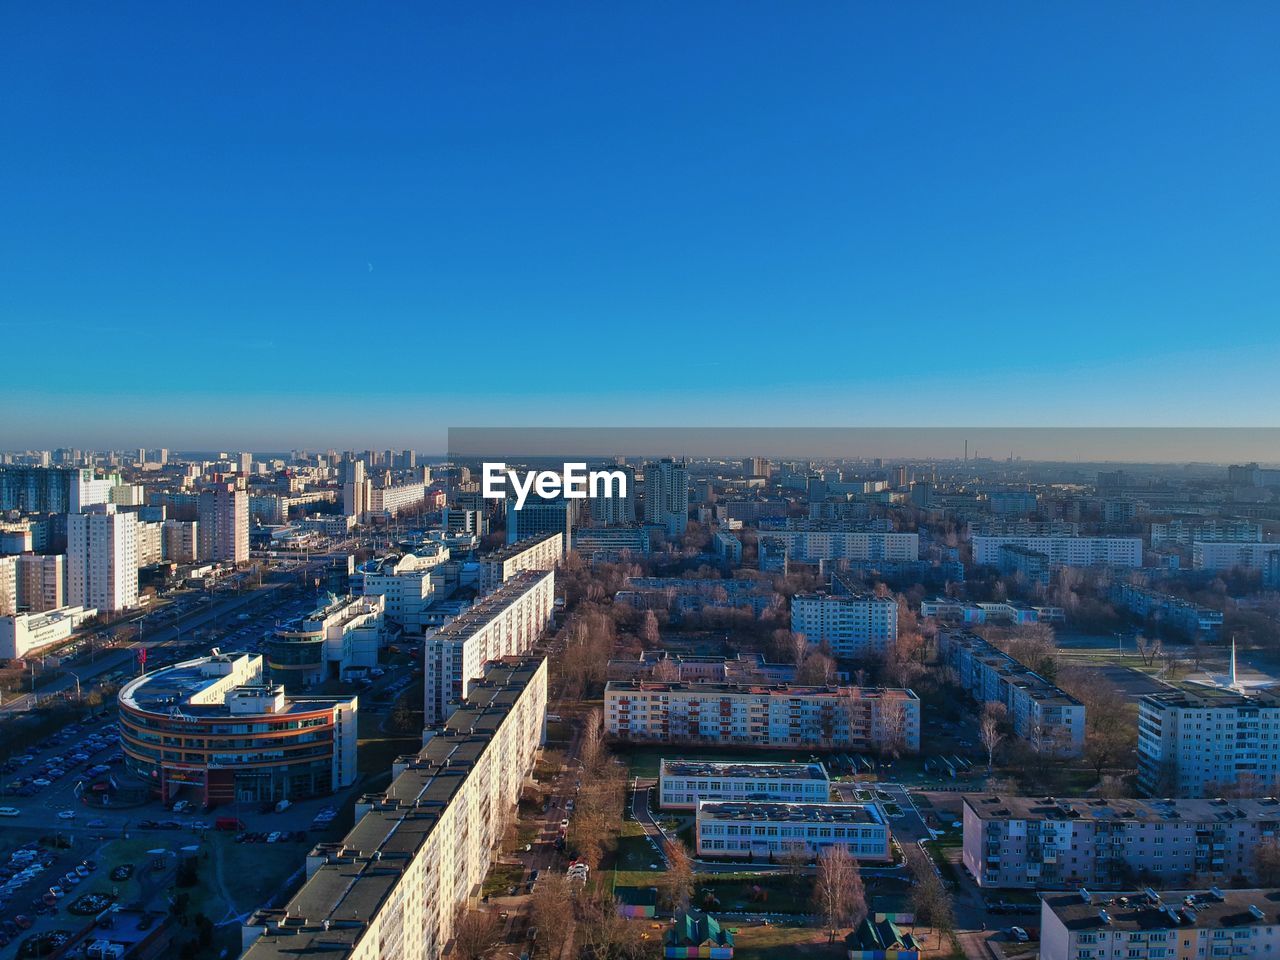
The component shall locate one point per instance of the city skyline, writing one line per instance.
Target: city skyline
(850, 216)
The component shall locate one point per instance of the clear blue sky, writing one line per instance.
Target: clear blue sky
(266, 225)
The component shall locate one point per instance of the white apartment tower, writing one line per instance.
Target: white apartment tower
(355, 491)
(223, 525)
(666, 495)
(102, 559)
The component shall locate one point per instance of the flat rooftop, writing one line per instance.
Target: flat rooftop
(520, 546)
(794, 812)
(172, 689)
(989, 807)
(784, 690)
(1196, 696)
(363, 869)
(489, 607)
(1131, 911)
(754, 771)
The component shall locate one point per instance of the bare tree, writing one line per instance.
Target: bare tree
(474, 933)
(649, 630)
(991, 729)
(1266, 862)
(1148, 648)
(929, 897)
(838, 895)
(677, 882)
(552, 910)
(794, 859)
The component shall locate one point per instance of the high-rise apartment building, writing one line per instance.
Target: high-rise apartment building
(392, 887)
(666, 495)
(540, 552)
(539, 516)
(854, 625)
(41, 582)
(1034, 843)
(223, 525)
(616, 509)
(8, 585)
(506, 623)
(1203, 741)
(102, 559)
(355, 491)
(1065, 551)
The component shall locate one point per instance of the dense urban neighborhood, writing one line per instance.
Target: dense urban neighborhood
(276, 705)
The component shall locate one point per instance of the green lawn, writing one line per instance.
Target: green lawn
(632, 860)
(502, 877)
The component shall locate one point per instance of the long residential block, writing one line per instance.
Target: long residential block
(1064, 551)
(1040, 713)
(542, 551)
(1128, 924)
(1037, 843)
(883, 720)
(506, 623)
(391, 887)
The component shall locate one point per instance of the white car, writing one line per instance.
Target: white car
(9, 811)
(66, 814)
(1019, 934)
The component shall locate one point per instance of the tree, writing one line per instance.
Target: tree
(649, 630)
(1148, 648)
(677, 882)
(838, 895)
(930, 900)
(991, 729)
(552, 913)
(1266, 862)
(794, 859)
(474, 933)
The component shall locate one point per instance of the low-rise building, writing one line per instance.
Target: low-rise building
(768, 830)
(1187, 532)
(420, 849)
(814, 545)
(1027, 565)
(1001, 611)
(728, 548)
(1188, 618)
(683, 783)
(611, 544)
(877, 719)
(1216, 924)
(1042, 843)
(1044, 715)
(680, 596)
(23, 633)
(342, 635)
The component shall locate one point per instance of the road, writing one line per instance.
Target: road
(151, 635)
